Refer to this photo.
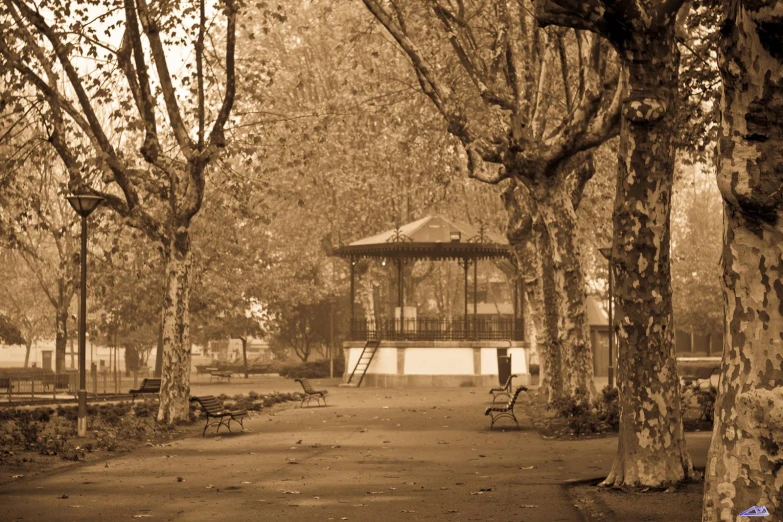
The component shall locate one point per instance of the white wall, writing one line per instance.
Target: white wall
(439, 361)
(385, 360)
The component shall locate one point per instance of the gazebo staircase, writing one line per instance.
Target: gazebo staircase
(357, 375)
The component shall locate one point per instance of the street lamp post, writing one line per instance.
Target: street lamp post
(83, 204)
(607, 253)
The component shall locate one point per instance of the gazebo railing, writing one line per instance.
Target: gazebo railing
(491, 328)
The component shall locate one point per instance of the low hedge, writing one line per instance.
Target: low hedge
(312, 369)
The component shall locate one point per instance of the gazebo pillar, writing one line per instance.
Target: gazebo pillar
(400, 294)
(515, 298)
(353, 298)
(475, 294)
(465, 267)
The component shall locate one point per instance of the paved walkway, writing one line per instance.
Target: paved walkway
(372, 454)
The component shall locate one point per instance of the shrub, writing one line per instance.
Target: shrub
(69, 413)
(706, 402)
(608, 407)
(112, 414)
(579, 414)
(313, 369)
(148, 408)
(28, 430)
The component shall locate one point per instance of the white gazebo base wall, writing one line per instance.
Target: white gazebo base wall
(436, 364)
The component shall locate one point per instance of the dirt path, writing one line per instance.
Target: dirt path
(372, 454)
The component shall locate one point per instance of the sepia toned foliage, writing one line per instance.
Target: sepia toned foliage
(130, 125)
(522, 101)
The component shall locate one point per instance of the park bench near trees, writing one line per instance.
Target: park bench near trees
(507, 411)
(217, 414)
(310, 393)
(220, 375)
(148, 386)
(202, 369)
(503, 390)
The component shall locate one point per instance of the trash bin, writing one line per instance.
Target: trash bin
(504, 368)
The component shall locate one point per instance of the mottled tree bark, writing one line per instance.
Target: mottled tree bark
(175, 385)
(549, 245)
(564, 285)
(651, 448)
(745, 461)
(519, 231)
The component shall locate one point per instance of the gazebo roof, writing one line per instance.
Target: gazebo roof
(432, 237)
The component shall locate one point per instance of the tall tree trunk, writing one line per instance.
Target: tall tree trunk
(519, 231)
(60, 339)
(745, 460)
(244, 356)
(564, 284)
(159, 350)
(175, 385)
(651, 449)
(28, 346)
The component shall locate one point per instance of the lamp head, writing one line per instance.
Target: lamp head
(84, 204)
(606, 252)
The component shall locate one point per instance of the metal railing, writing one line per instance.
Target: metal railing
(57, 386)
(433, 329)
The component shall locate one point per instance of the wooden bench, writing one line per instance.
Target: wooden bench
(699, 378)
(507, 411)
(310, 393)
(148, 386)
(220, 375)
(503, 390)
(205, 370)
(217, 414)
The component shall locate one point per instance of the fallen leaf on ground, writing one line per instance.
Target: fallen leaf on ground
(290, 492)
(180, 479)
(141, 516)
(17, 476)
(530, 506)
(527, 467)
(375, 492)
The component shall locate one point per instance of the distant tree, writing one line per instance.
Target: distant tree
(304, 328)
(117, 110)
(9, 332)
(23, 301)
(38, 225)
(696, 251)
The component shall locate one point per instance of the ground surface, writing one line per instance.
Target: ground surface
(371, 454)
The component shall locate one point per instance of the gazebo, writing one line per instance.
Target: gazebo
(416, 351)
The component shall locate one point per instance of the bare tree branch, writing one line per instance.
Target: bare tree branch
(152, 31)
